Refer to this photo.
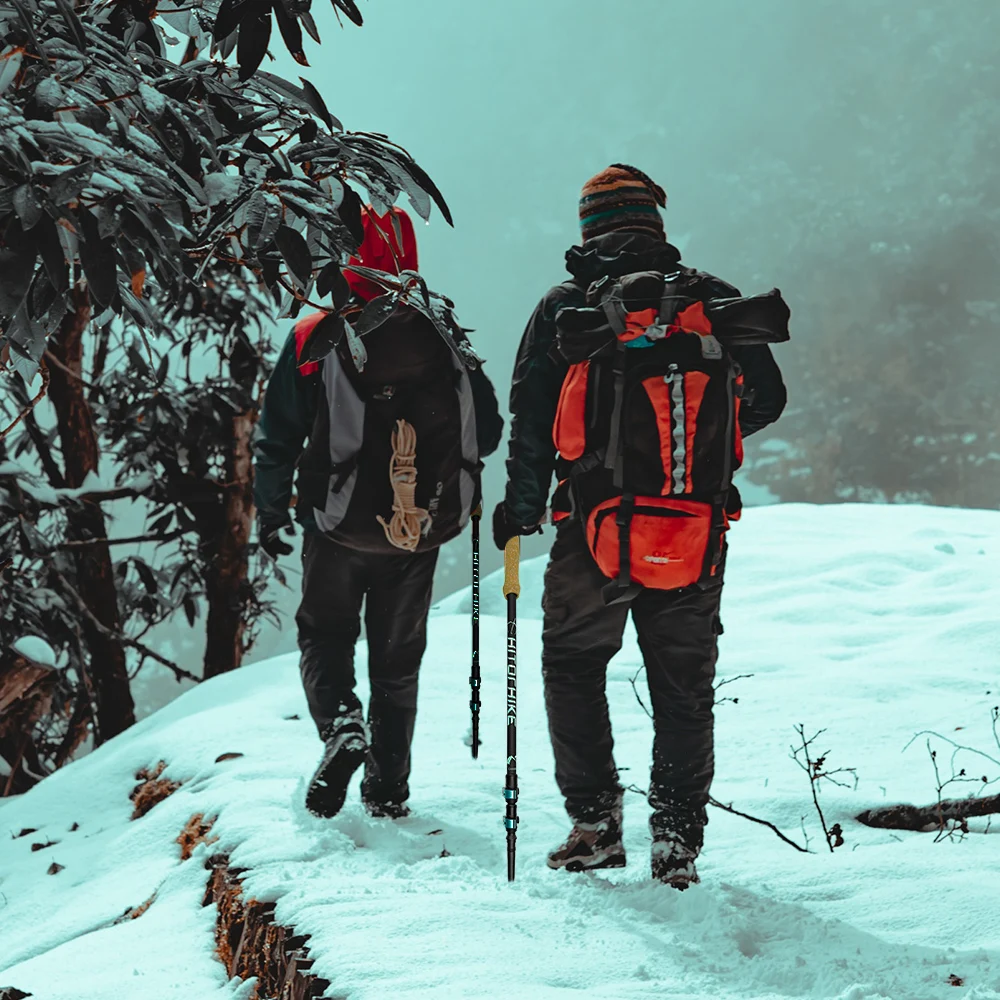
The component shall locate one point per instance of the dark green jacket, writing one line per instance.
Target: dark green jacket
(287, 419)
(539, 370)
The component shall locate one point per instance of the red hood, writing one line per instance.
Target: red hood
(380, 249)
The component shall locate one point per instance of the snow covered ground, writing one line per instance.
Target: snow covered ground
(872, 622)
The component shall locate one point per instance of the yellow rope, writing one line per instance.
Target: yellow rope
(409, 522)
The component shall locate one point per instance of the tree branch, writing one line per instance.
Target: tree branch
(762, 822)
(32, 402)
(179, 672)
(135, 539)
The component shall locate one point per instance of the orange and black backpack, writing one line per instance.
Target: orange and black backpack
(647, 425)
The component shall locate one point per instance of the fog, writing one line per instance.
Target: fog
(843, 151)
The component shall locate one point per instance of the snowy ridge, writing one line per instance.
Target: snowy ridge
(873, 622)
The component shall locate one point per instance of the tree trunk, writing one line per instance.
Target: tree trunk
(227, 582)
(94, 571)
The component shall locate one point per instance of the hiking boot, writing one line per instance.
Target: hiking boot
(346, 748)
(672, 863)
(592, 845)
(386, 810)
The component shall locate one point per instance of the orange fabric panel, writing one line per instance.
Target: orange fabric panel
(693, 319)
(659, 396)
(667, 552)
(637, 322)
(569, 432)
(694, 393)
(303, 329)
(559, 515)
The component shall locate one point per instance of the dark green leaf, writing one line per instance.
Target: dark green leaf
(318, 105)
(16, 270)
(421, 177)
(231, 12)
(68, 185)
(137, 359)
(190, 606)
(290, 32)
(324, 338)
(295, 252)
(263, 218)
(374, 314)
(350, 214)
(27, 205)
(255, 33)
(75, 27)
(310, 25)
(350, 8)
(146, 575)
(331, 281)
(99, 262)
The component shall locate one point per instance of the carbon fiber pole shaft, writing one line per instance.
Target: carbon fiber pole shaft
(475, 679)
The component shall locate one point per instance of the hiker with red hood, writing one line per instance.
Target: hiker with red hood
(388, 461)
(635, 381)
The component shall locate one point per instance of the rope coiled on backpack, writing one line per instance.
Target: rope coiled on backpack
(409, 522)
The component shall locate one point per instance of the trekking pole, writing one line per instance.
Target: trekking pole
(475, 680)
(511, 590)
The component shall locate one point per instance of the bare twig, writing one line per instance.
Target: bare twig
(814, 768)
(179, 672)
(950, 816)
(635, 690)
(762, 822)
(134, 540)
(736, 812)
(730, 680)
(32, 403)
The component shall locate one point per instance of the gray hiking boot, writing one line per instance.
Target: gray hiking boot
(346, 748)
(591, 846)
(672, 863)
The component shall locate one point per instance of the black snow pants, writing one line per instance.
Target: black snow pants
(678, 635)
(397, 594)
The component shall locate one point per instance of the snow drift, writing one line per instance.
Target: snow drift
(871, 622)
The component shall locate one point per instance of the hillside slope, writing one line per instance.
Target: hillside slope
(871, 622)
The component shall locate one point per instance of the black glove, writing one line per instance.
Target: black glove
(504, 529)
(271, 541)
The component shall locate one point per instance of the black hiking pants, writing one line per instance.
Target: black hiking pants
(678, 635)
(396, 590)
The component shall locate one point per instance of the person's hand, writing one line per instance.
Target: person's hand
(504, 528)
(271, 541)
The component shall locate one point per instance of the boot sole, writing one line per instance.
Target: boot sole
(328, 789)
(677, 880)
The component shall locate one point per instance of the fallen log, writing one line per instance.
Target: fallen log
(249, 942)
(932, 817)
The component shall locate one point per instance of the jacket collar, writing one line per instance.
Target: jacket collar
(620, 253)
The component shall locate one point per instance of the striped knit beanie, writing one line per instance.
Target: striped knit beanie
(621, 197)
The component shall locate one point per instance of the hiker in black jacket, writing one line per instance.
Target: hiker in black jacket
(678, 629)
(388, 463)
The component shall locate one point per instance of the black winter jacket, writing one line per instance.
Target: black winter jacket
(539, 371)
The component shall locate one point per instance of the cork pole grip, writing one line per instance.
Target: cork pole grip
(511, 558)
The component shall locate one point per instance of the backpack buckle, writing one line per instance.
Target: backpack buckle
(711, 349)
